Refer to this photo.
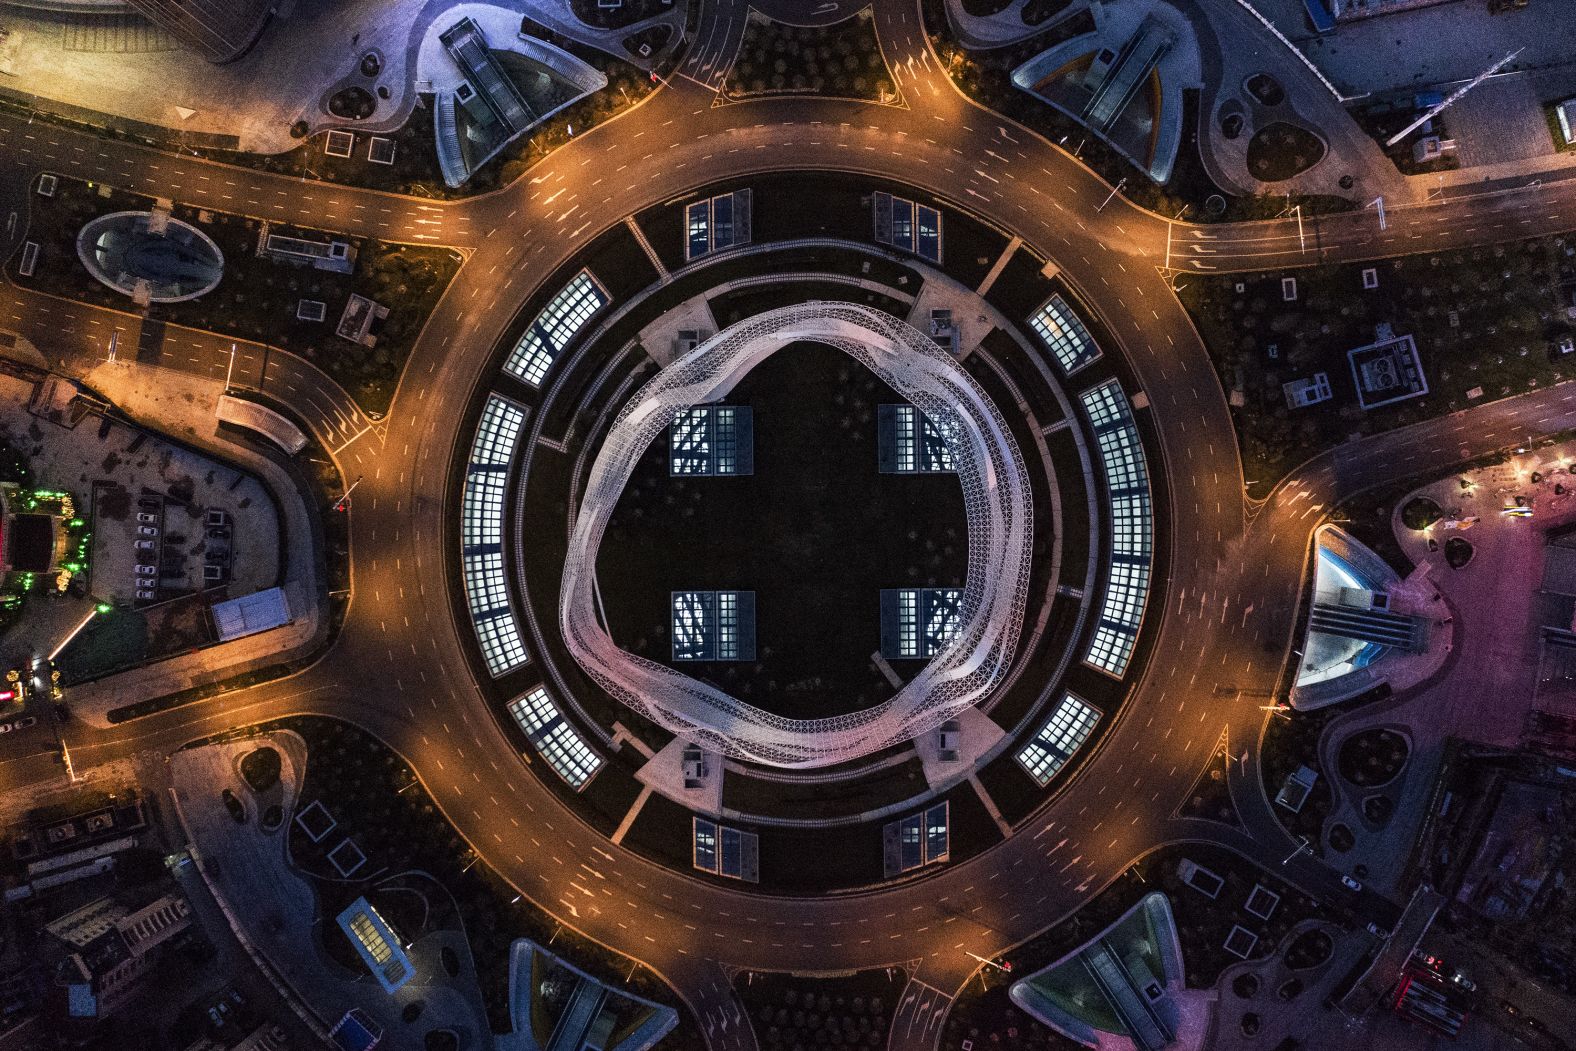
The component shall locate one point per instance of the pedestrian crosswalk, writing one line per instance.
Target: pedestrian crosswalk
(115, 34)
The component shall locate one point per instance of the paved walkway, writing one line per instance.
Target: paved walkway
(277, 914)
(287, 75)
(183, 407)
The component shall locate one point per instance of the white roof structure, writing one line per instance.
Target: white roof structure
(250, 614)
(997, 503)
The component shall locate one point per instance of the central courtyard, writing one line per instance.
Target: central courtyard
(816, 532)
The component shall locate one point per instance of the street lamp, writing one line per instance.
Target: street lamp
(1302, 845)
(1004, 968)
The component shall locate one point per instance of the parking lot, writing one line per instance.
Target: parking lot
(166, 520)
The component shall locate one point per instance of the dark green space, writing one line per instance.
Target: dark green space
(791, 1012)
(1373, 757)
(260, 768)
(842, 60)
(257, 299)
(738, 304)
(816, 533)
(806, 800)
(1279, 151)
(1483, 319)
(376, 798)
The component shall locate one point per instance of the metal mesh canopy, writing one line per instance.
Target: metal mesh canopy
(997, 502)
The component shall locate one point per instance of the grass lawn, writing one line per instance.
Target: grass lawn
(111, 641)
(1483, 319)
(842, 60)
(257, 298)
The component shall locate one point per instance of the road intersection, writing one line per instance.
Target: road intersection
(398, 667)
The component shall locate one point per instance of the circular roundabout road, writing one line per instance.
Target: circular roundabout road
(696, 933)
(403, 666)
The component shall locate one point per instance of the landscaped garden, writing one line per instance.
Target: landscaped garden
(374, 795)
(1292, 740)
(258, 298)
(1309, 949)
(1373, 757)
(791, 1013)
(1482, 319)
(842, 60)
(1210, 798)
(986, 77)
(260, 769)
(1280, 151)
(1419, 513)
(983, 1014)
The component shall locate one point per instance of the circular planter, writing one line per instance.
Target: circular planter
(1419, 513)
(1265, 89)
(1245, 985)
(1373, 757)
(354, 103)
(1309, 949)
(1379, 809)
(1341, 838)
(1458, 552)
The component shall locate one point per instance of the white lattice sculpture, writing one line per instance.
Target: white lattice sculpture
(997, 502)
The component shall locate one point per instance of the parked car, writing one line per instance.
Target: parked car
(147, 530)
(1350, 883)
(147, 594)
(217, 518)
(147, 545)
(213, 572)
(147, 571)
(147, 519)
(148, 503)
(218, 533)
(18, 724)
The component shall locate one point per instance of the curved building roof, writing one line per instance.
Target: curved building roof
(129, 251)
